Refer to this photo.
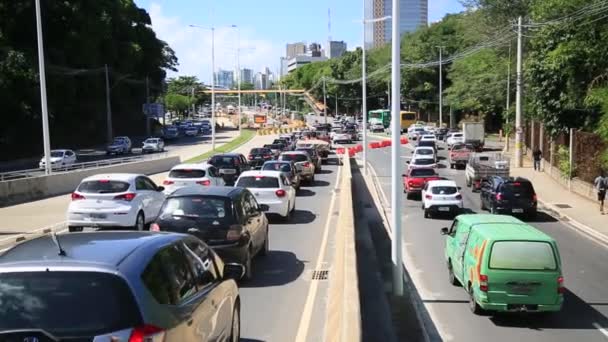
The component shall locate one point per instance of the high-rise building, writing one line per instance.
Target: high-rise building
(284, 64)
(298, 61)
(335, 49)
(295, 49)
(413, 14)
(315, 50)
(225, 78)
(246, 75)
(260, 81)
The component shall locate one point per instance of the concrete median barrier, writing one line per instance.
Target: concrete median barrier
(343, 307)
(35, 188)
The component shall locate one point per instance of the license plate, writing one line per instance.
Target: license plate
(521, 289)
(258, 157)
(518, 211)
(98, 216)
(228, 171)
(443, 208)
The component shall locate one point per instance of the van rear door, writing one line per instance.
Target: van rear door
(523, 272)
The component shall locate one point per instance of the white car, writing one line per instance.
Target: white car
(153, 145)
(454, 139)
(376, 127)
(59, 159)
(441, 196)
(114, 200)
(341, 137)
(424, 151)
(271, 188)
(430, 129)
(192, 175)
(422, 162)
(415, 132)
(428, 137)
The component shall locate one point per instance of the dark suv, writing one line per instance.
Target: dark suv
(258, 156)
(230, 166)
(503, 195)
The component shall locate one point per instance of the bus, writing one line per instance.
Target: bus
(382, 116)
(407, 119)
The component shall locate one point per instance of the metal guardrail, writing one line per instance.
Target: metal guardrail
(12, 175)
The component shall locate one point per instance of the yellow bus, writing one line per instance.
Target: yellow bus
(407, 119)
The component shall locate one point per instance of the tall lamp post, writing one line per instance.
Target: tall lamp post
(46, 136)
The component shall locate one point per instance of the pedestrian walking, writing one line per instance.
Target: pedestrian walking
(601, 184)
(537, 155)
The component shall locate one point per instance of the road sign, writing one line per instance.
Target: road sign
(156, 110)
(259, 119)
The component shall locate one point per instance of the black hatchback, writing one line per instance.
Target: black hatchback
(228, 219)
(230, 165)
(515, 196)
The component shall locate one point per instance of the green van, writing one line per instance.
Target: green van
(504, 264)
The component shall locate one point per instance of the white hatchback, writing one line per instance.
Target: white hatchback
(455, 138)
(271, 188)
(441, 196)
(192, 175)
(423, 152)
(114, 200)
(59, 159)
(428, 137)
(422, 162)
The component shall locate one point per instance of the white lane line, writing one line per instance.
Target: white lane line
(312, 290)
(604, 331)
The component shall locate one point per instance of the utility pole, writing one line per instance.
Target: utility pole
(451, 117)
(518, 104)
(336, 105)
(396, 185)
(507, 140)
(388, 86)
(324, 100)
(440, 86)
(364, 94)
(212, 89)
(193, 104)
(46, 135)
(238, 71)
(147, 105)
(109, 135)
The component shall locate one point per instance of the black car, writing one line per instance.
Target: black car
(314, 155)
(258, 156)
(286, 144)
(427, 143)
(228, 219)
(502, 195)
(230, 165)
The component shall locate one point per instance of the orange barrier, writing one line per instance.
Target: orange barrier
(359, 148)
(385, 143)
(351, 152)
(340, 150)
(375, 144)
(404, 141)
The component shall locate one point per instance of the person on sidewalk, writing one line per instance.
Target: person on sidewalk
(537, 155)
(601, 184)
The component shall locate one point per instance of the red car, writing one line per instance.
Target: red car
(415, 179)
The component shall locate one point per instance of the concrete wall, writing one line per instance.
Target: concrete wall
(35, 188)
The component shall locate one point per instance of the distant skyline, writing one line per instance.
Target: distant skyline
(264, 30)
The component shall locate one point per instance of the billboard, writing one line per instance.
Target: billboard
(259, 119)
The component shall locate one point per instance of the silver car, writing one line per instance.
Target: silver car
(118, 286)
(304, 164)
(153, 145)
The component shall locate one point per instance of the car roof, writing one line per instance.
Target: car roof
(198, 166)
(219, 191)
(442, 183)
(265, 173)
(61, 150)
(125, 177)
(226, 155)
(424, 148)
(503, 227)
(423, 156)
(94, 249)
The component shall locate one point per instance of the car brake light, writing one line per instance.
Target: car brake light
(410, 183)
(144, 333)
(516, 184)
(499, 196)
(483, 283)
(234, 232)
(459, 197)
(307, 164)
(104, 181)
(168, 182)
(428, 196)
(154, 227)
(250, 157)
(280, 193)
(126, 197)
(560, 285)
(77, 196)
(205, 182)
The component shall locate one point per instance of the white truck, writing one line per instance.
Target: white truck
(474, 134)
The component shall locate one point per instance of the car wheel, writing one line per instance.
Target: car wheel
(408, 195)
(473, 306)
(451, 166)
(287, 216)
(248, 266)
(483, 206)
(235, 332)
(451, 276)
(427, 214)
(266, 248)
(140, 222)
(73, 229)
(493, 210)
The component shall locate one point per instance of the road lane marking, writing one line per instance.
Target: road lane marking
(604, 331)
(312, 290)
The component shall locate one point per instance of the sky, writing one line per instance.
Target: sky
(263, 29)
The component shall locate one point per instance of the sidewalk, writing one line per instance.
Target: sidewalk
(580, 212)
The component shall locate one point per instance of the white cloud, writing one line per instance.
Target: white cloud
(193, 46)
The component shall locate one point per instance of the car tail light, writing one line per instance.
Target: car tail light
(410, 183)
(205, 182)
(280, 193)
(234, 232)
(168, 182)
(483, 283)
(154, 227)
(459, 197)
(499, 196)
(144, 333)
(77, 196)
(428, 196)
(250, 157)
(126, 197)
(307, 164)
(267, 156)
(560, 285)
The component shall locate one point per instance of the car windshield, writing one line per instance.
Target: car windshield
(457, 135)
(425, 151)
(294, 157)
(422, 173)
(259, 182)
(187, 173)
(118, 142)
(196, 207)
(444, 190)
(523, 255)
(103, 186)
(220, 161)
(428, 143)
(273, 146)
(283, 167)
(423, 161)
(151, 141)
(56, 154)
(62, 303)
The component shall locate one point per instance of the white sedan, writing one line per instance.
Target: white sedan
(441, 196)
(59, 159)
(428, 137)
(422, 162)
(114, 200)
(271, 188)
(192, 175)
(424, 151)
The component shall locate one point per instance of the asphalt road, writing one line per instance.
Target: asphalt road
(585, 313)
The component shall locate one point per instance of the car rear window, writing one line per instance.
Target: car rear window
(222, 161)
(187, 173)
(523, 255)
(260, 151)
(444, 190)
(295, 157)
(198, 207)
(258, 182)
(103, 186)
(423, 161)
(66, 303)
(425, 152)
(283, 167)
(426, 143)
(519, 189)
(274, 146)
(422, 173)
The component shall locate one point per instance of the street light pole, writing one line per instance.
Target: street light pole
(440, 86)
(46, 136)
(238, 71)
(324, 100)
(108, 106)
(213, 88)
(396, 154)
(518, 105)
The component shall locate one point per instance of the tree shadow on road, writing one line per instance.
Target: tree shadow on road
(275, 269)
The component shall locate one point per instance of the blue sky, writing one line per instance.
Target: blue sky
(265, 26)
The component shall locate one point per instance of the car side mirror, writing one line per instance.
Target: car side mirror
(445, 231)
(404, 175)
(459, 188)
(264, 207)
(160, 188)
(233, 271)
(408, 162)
